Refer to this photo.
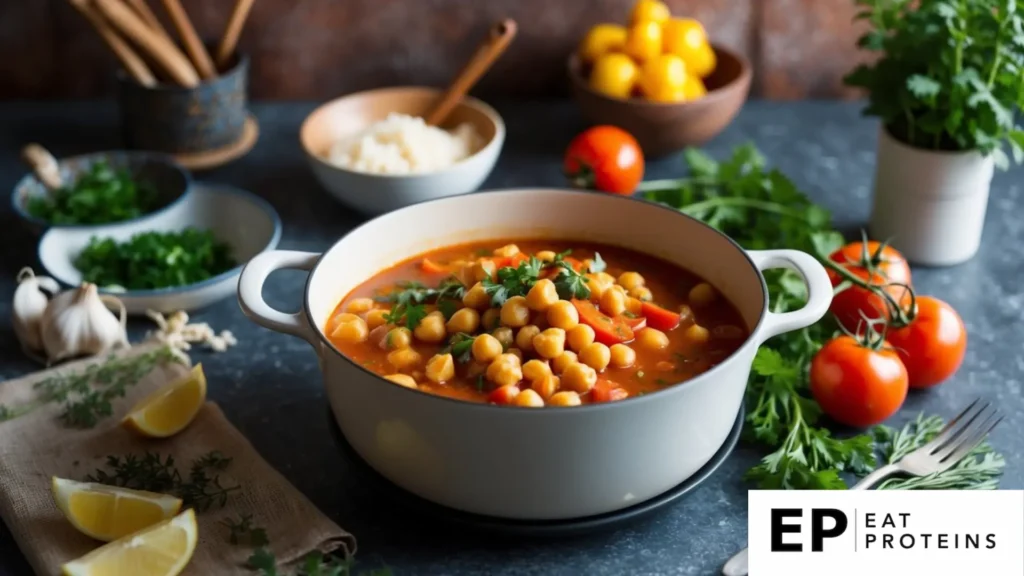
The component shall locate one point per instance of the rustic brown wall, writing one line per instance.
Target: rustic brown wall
(316, 49)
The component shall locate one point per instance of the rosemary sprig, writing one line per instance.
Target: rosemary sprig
(201, 489)
(88, 395)
(980, 470)
(243, 532)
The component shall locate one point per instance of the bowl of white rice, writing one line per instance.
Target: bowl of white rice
(373, 151)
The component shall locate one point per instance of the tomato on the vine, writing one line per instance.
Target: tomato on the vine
(605, 158)
(875, 264)
(858, 383)
(932, 347)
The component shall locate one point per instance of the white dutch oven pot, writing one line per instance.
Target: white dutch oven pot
(519, 463)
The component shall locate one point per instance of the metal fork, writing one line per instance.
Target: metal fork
(961, 435)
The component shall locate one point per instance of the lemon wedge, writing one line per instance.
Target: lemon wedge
(170, 409)
(163, 549)
(107, 512)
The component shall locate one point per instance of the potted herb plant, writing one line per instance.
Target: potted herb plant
(947, 87)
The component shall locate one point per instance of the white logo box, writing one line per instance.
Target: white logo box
(887, 532)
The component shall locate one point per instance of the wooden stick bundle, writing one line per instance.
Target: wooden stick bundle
(131, 61)
(234, 29)
(193, 45)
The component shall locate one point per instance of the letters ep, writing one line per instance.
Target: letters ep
(819, 533)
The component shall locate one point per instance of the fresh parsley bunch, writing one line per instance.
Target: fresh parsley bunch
(951, 73)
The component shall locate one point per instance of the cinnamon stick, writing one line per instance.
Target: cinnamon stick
(232, 32)
(147, 15)
(162, 51)
(193, 45)
(132, 63)
(497, 40)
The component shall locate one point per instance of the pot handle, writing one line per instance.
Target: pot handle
(250, 292)
(819, 289)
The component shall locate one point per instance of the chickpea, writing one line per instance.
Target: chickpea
(476, 297)
(528, 398)
(613, 302)
(491, 319)
(595, 355)
(431, 329)
(507, 251)
(549, 343)
(562, 361)
(398, 338)
(351, 330)
(405, 359)
(542, 295)
(360, 305)
(630, 280)
(536, 369)
(505, 370)
(702, 294)
(579, 337)
(524, 338)
(579, 378)
(440, 368)
(343, 318)
(402, 380)
(622, 356)
(697, 334)
(486, 348)
(517, 353)
(515, 312)
(545, 256)
(598, 284)
(465, 320)
(619, 289)
(652, 339)
(642, 293)
(634, 306)
(563, 314)
(375, 318)
(565, 398)
(504, 335)
(546, 386)
(482, 270)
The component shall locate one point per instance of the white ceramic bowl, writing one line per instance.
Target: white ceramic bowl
(379, 193)
(246, 222)
(551, 463)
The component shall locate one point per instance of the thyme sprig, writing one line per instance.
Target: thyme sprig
(200, 489)
(88, 395)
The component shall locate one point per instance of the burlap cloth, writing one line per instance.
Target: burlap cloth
(38, 445)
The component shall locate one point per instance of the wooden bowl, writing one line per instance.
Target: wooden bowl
(662, 128)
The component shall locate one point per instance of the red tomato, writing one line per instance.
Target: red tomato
(607, 391)
(856, 385)
(933, 346)
(607, 330)
(889, 266)
(504, 395)
(605, 158)
(659, 318)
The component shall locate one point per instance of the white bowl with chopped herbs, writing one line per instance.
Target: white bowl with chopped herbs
(183, 259)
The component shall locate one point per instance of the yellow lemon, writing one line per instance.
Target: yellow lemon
(107, 512)
(649, 11)
(694, 88)
(614, 75)
(163, 549)
(171, 408)
(601, 39)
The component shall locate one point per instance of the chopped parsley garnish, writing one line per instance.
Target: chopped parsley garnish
(408, 314)
(570, 283)
(409, 301)
(460, 346)
(152, 260)
(100, 195)
(513, 281)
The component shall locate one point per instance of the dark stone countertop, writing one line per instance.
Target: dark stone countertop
(269, 385)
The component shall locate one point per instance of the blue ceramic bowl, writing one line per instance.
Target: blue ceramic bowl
(171, 181)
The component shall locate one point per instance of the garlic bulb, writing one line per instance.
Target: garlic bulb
(30, 300)
(77, 322)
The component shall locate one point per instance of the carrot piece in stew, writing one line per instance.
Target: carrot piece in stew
(607, 330)
(660, 318)
(504, 395)
(635, 324)
(607, 391)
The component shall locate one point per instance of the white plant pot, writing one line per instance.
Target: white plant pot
(930, 204)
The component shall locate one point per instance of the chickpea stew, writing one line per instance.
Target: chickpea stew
(536, 323)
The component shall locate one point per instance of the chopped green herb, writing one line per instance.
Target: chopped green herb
(460, 346)
(201, 489)
(662, 382)
(100, 195)
(408, 314)
(411, 296)
(480, 381)
(569, 283)
(628, 314)
(513, 281)
(152, 260)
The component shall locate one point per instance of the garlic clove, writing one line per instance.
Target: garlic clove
(31, 298)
